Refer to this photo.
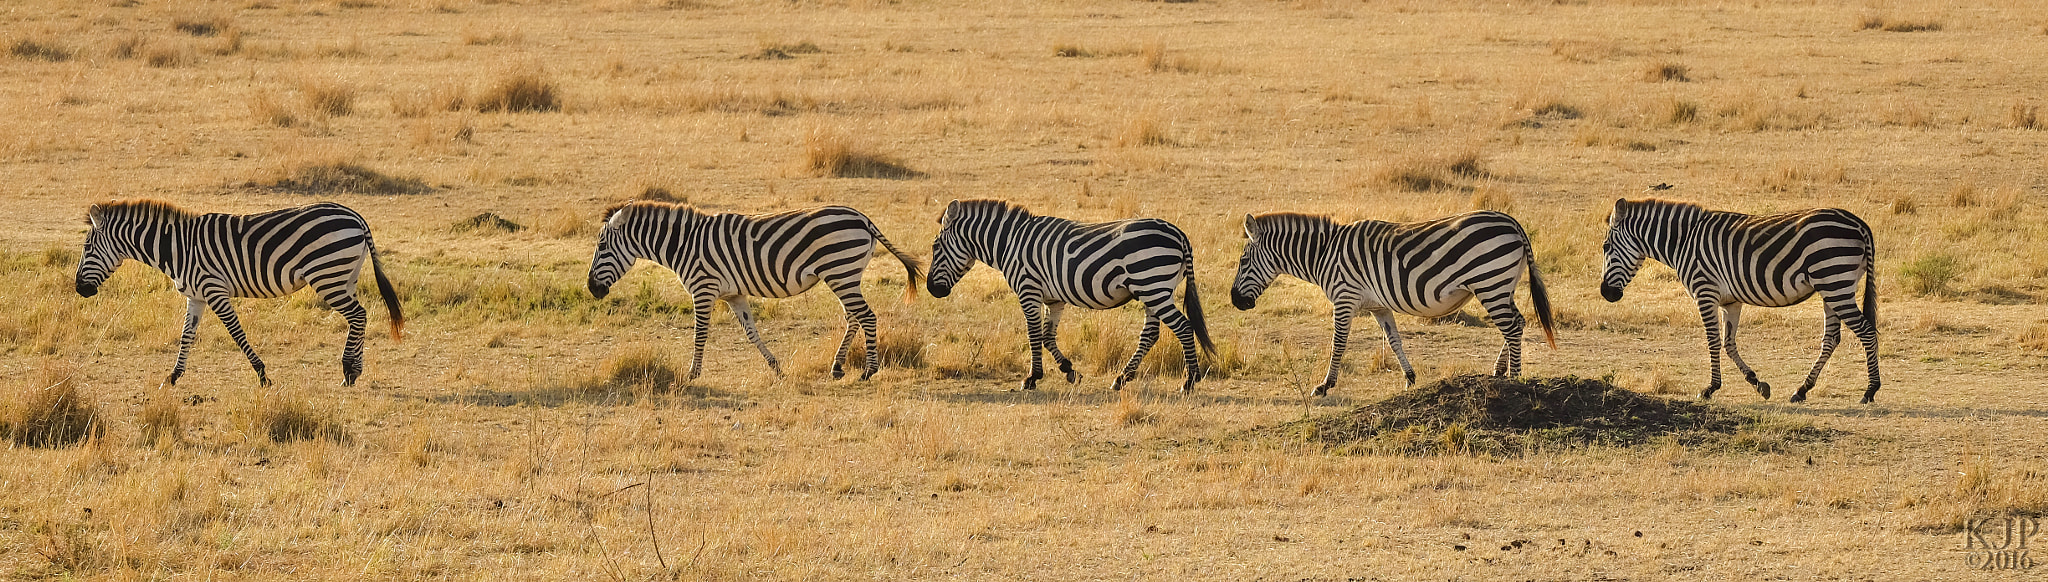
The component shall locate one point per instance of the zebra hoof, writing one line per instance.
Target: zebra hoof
(1118, 385)
(173, 380)
(1073, 377)
(1870, 395)
(1764, 388)
(864, 375)
(1797, 398)
(1707, 394)
(1322, 391)
(262, 382)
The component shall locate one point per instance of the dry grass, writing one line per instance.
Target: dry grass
(50, 410)
(520, 92)
(39, 49)
(1429, 173)
(836, 154)
(1662, 71)
(1145, 129)
(345, 177)
(328, 97)
(283, 418)
(1876, 21)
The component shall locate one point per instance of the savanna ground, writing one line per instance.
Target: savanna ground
(513, 435)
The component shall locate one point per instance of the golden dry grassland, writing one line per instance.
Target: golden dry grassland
(523, 430)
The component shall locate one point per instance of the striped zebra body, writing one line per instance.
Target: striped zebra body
(213, 257)
(1054, 262)
(1425, 269)
(730, 257)
(1727, 260)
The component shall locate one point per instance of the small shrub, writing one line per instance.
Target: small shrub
(345, 177)
(1931, 274)
(51, 412)
(40, 50)
(521, 92)
(1662, 71)
(487, 221)
(833, 154)
(329, 97)
(284, 419)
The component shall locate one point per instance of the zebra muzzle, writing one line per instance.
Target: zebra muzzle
(86, 290)
(938, 290)
(599, 291)
(1243, 302)
(1610, 293)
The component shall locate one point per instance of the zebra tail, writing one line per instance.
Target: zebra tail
(385, 290)
(911, 267)
(1192, 304)
(1541, 298)
(1870, 281)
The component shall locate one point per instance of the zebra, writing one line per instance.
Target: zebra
(1727, 260)
(730, 257)
(1426, 269)
(1053, 262)
(212, 257)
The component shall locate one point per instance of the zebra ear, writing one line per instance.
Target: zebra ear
(948, 211)
(1247, 226)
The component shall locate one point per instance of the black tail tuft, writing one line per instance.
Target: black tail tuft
(390, 294)
(1192, 304)
(1540, 297)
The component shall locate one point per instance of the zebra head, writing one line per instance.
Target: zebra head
(615, 252)
(951, 257)
(1255, 270)
(1624, 251)
(103, 252)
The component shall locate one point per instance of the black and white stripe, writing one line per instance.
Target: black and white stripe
(731, 257)
(1727, 260)
(1053, 262)
(1425, 269)
(212, 257)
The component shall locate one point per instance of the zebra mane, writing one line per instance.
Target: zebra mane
(1664, 202)
(648, 206)
(147, 208)
(1292, 221)
(997, 205)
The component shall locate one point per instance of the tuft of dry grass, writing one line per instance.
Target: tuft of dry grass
(772, 51)
(51, 411)
(1430, 173)
(499, 37)
(2024, 115)
(328, 97)
(834, 154)
(128, 47)
(487, 222)
(1663, 71)
(898, 346)
(1130, 411)
(1145, 129)
(346, 177)
(269, 110)
(1874, 21)
(160, 420)
(168, 56)
(39, 50)
(520, 92)
(283, 418)
(1905, 204)
(639, 368)
(203, 24)
(1963, 194)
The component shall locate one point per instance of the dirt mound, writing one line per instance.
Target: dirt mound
(1492, 415)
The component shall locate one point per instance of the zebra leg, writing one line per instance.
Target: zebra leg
(1035, 334)
(1338, 344)
(1866, 331)
(1146, 337)
(1710, 315)
(226, 313)
(1183, 330)
(859, 319)
(745, 313)
(193, 307)
(1732, 313)
(1500, 307)
(1830, 336)
(1052, 341)
(700, 309)
(1386, 318)
(352, 347)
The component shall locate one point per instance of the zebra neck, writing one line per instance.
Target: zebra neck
(156, 244)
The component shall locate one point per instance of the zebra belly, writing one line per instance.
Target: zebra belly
(1447, 304)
